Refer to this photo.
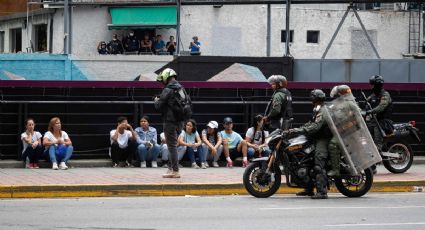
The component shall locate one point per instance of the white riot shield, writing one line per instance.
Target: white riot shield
(347, 124)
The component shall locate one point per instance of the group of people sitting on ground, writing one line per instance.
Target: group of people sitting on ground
(133, 45)
(128, 144)
(155, 45)
(55, 144)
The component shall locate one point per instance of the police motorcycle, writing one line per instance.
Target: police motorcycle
(397, 155)
(293, 157)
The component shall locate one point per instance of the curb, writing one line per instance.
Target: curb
(59, 191)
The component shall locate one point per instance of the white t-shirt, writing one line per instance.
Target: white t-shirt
(52, 138)
(122, 138)
(35, 137)
(256, 138)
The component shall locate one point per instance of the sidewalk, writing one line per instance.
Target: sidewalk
(88, 182)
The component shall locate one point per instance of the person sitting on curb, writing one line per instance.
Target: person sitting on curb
(190, 143)
(211, 143)
(233, 143)
(255, 138)
(58, 144)
(31, 143)
(122, 142)
(148, 148)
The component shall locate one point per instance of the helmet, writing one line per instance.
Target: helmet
(277, 79)
(165, 75)
(317, 95)
(340, 90)
(376, 80)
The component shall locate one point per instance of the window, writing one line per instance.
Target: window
(313, 36)
(283, 36)
(1, 41)
(15, 40)
(40, 38)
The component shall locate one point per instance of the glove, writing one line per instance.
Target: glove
(363, 113)
(296, 131)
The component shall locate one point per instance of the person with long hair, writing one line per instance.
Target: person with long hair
(57, 144)
(255, 138)
(148, 148)
(211, 143)
(31, 143)
(190, 143)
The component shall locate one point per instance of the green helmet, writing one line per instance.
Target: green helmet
(165, 74)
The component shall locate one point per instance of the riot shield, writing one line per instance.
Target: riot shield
(347, 124)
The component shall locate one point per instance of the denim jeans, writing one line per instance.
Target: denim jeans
(56, 158)
(165, 153)
(148, 154)
(32, 154)
(208, 154)
(264, 153)
(192, 154)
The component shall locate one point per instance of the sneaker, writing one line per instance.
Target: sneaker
(30, 166)
(206, 164)
(215, 164)
(165, 165)
(143, 164)
(203, 165)
(195, 166)
(167, 174)
(114, 165)
(55, 166)
(35, 165)
(175, 174)
(245, 163)
(230, 164)
(180, 166)
(154, 164)
(63, 166)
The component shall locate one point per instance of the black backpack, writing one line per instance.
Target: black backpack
(182, 105)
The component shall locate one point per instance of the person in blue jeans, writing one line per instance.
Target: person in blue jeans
(58, 144)
(255, 139)
(190, 143)
(148, 148)
(31, 143)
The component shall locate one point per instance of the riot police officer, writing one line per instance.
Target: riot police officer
(381, 103)
(318, 129)
(279, 109)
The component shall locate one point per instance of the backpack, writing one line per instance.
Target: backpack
(182, 105)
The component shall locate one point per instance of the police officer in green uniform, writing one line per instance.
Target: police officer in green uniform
(381, 103)
(318, 129)
(333, 147)
(279, 109)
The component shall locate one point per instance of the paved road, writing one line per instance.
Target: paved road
(374, 211)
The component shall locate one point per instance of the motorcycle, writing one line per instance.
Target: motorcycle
(397, 155)
(293, 157)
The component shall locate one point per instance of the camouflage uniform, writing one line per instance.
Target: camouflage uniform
(318, 129)
(381, 106)
(279, 107)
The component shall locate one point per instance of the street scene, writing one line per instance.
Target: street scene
(212, 114)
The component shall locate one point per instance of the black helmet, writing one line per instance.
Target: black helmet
(377, 80)
(317, 95)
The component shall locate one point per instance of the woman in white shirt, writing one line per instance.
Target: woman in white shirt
(57, 144)
(255, 137)
(31, 143)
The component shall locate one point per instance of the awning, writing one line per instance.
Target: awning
(143, 17)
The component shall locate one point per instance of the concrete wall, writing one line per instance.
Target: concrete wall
(62, 67)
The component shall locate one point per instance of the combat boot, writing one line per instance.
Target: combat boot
(334, 160)
(321, 187)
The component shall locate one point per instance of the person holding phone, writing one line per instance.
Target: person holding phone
(123, 140)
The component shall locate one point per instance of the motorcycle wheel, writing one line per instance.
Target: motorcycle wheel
(258, 183)
(355, 186)
(404, 162)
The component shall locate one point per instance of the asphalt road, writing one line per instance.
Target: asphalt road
(373, 211)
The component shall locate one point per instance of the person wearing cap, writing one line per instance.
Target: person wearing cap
(255, 138)
(195, 46)
(211, 143)
(279, 109)
(233, 143)
(172, 126)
